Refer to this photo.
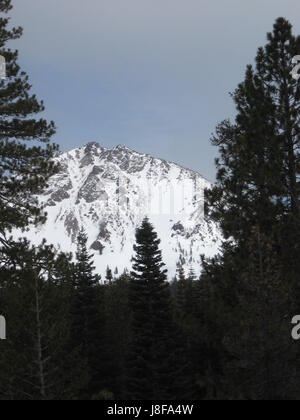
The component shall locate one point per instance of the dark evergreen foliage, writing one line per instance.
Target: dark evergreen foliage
(254, 284)
(24, 167)
(150, 366)
(87, 329)
(36, 362)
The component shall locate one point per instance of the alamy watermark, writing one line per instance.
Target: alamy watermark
(2, 328)
(296, 70)
(296, 319)
(2, 67)
(296, 329)
(2, 319)
(170, 197)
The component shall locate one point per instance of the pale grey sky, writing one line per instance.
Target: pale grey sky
(151, 74)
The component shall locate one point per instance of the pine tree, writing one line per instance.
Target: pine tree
(36, 361)
(181, 295)
(109, 275)
(258, 340)
(185, 297)
(87, 314)
(258, 170)
(151, 364)
(117, 334)
(188, 332)
(256, 201)
(180, 273)
(24, 169)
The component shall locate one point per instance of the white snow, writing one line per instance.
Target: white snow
(109, 192)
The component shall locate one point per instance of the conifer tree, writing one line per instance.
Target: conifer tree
(188, 332)
(258, 168)
(180, 273)
(185, 297)
(87, 316)
(181, 294)
(109, 275)
(117, 334)
(151, 364)
(256, 201)
(36, 361)
(24, 168)
(263, 363)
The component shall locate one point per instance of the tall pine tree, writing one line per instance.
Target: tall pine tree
(259, 164)
(24, 168)
(87, 317)
(256, 201)
(151, 365)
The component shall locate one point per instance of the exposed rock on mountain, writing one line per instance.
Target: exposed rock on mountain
(110, 191)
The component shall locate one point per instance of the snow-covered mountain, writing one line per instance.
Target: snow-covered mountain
(110, 191)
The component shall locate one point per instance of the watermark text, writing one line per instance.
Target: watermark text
(2, 328)
(296, 70)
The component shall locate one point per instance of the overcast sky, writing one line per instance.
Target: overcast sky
(154, 75)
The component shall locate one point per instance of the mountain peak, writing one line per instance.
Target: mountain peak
(108, 192)
(92, 145)
(122, 148)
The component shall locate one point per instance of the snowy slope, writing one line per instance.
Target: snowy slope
(110, 191)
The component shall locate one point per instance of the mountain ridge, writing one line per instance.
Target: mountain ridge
(122, 146)
(108, 192)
